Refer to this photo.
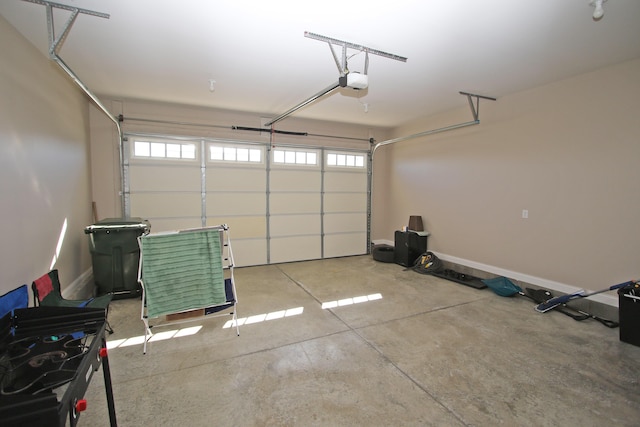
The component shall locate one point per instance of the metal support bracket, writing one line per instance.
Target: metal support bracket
(56, 43)
(361, 48)
(342, 65)
(475, 109)
(54, 46)
(335, 58)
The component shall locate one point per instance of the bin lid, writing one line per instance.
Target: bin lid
(632, 290)
(119, 224)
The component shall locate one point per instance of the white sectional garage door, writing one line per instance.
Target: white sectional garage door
(282, 205)
(236, 195)
(345, 212)
(295, 217)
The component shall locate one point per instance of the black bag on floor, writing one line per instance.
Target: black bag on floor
(428, 263)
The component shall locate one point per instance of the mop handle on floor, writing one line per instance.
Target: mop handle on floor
(563, 299)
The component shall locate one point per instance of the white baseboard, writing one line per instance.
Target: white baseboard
(78, 288)
(533, 280)
(608, 299)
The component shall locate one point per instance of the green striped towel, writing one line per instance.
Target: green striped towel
(182, 271)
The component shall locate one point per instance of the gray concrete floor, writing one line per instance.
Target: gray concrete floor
(428, 352)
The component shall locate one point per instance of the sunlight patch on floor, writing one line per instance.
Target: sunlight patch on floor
(351, 301)
(257, 318)
(158, 336)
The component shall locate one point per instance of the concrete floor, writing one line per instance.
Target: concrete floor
(428, 352)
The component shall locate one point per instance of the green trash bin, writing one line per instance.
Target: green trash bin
(113, 243)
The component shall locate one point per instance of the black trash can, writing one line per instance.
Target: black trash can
(113, 243)
(629, 310)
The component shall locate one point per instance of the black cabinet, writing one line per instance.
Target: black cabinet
(409, 245)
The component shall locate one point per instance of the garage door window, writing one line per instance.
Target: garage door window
(233, 153)
(295, 157)
(164, 150)
(345, 160)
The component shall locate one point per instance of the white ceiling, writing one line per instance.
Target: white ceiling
(256, 51)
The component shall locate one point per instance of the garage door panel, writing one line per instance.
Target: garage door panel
(159, 225)
(243, 179)
(344, 202)
(242, 227)
(295, 180)
(286, 249)
(291, 225)
(166, 205)
(164, 178)
(280, 203)
(345, 222)
(295, 237)
(345, 181)
(336, 245)
(221, 204)
(247, 252)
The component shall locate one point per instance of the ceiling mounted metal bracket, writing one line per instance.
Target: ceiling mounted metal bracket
(69, 8)
(354, 46)
(56, 43)
(343, 69)
(335, 58)
(475, 109)
(54, 46)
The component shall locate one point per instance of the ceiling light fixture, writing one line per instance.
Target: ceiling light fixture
(598, 12)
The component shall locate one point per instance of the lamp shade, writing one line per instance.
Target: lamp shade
(415, 223)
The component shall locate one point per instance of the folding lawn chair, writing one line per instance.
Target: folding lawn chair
(16, 298)
(46, 292)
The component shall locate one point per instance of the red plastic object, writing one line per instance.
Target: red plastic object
(103, 352)
(81, 405)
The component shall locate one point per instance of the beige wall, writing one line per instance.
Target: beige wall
(44, 166)
(567, 152)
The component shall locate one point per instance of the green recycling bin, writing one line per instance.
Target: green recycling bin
(113, 243)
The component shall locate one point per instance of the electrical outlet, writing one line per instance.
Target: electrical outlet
(525, 213)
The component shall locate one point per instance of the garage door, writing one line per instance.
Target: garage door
(345, 204)
(282, 204)
(236, 194)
